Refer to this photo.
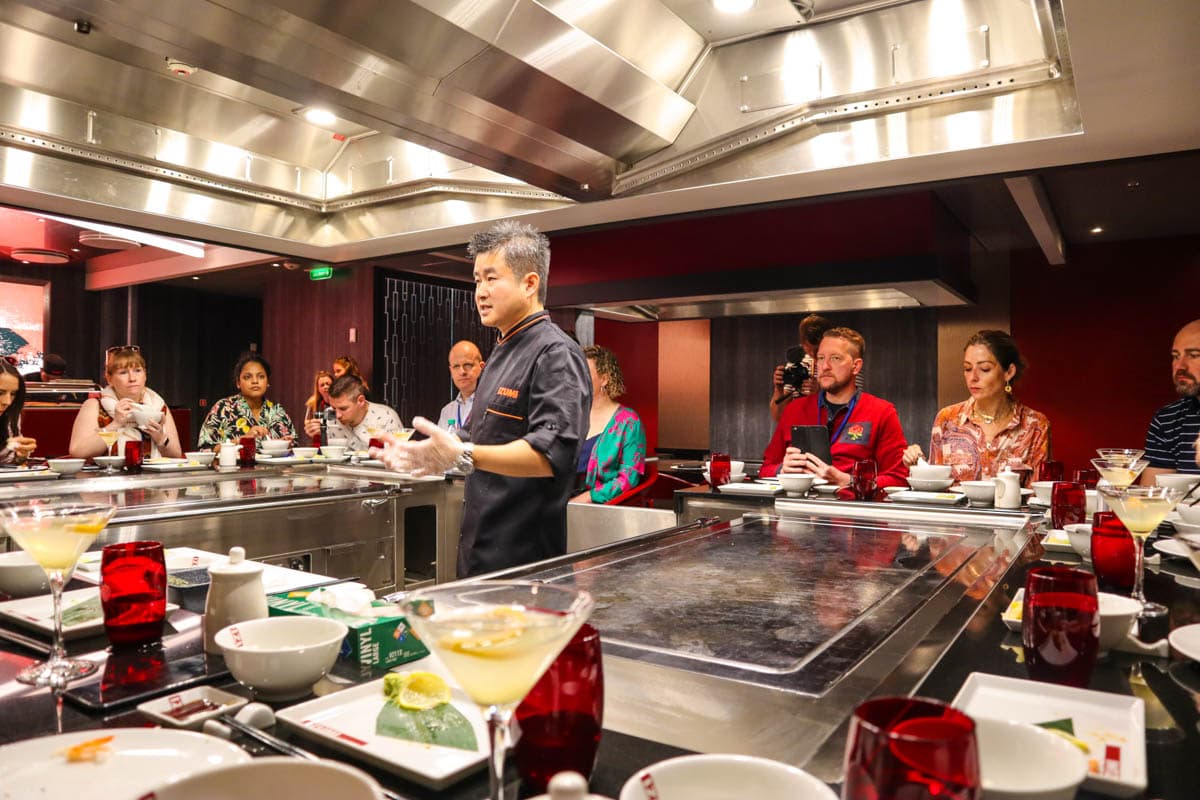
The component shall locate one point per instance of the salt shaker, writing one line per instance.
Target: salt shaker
(568, 786)
(235, 594)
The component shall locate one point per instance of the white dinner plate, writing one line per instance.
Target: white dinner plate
(372, 462)
(930, 498)
(750, 488)
(321, 458)
(174, 465)
(1112, 725)
(1170, 547)
(285, 459)
(137, 761)
(30, 474)
(1186, 641)
(345, 721)
(37, 613)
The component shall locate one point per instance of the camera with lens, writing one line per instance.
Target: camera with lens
(794, 372)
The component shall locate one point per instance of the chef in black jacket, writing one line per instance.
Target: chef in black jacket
(530, 418)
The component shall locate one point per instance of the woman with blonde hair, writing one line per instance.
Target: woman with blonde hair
(613, 459)
(117, 409)
(343, 365)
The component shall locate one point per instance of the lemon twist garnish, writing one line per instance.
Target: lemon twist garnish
(417, 691)
(87, 527)
(508, 625)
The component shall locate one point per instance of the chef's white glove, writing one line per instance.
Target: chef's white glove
(431, 456)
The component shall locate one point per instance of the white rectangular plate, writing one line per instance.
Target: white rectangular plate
(37, 612)
(1101, 719)
(35, 474)
(159, 709)
(1056, 541)
(284, 459)
(345, 721)
(176, 558)
(174, 466)
(930, 498)
(750, 488)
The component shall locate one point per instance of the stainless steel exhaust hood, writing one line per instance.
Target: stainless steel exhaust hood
(449, 114)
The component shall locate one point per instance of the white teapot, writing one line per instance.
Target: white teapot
(1008, 489)
(228, 456)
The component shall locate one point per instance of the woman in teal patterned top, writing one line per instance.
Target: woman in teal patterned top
(613, 459)
(248, 413)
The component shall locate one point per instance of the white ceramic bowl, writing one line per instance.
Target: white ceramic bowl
(796, 483)
(1019, 761)
(280, 658)
(1081, 539)
(333, 451)
(1177, 480)
(66, 466)
(930, 484)
(1189, 513)
(304, 452)
(1117, 615)
(20, 575)
(338, 442)
(734, 477)
(734, 466)
(719, 777)
(145, 415)
(979, 491)
(275, 776)
(115, 462)
(1043, 489)
(204, 457)
(930, 472)
(274, 447)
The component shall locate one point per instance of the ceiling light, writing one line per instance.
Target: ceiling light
(320, 116)
(195, 277)
(733, 6)
(1132, 183)
(182, 246)
(75, 250)
(37, 255)
(1097, 229)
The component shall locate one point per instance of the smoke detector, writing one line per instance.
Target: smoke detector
(179, 68)
(291, 266)
(107, 241)
(36, 255)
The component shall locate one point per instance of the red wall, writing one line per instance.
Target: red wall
(635, 345)
(1097, 336)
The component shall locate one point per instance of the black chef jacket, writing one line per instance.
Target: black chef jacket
(537, 387)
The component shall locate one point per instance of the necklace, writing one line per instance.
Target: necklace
(990, 418)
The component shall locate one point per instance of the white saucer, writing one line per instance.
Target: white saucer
(1170, 547)
(1186, 641)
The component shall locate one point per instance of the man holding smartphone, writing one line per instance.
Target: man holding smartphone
(860, 425)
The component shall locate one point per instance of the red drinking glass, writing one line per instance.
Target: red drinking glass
(1060, 625)
(561, 717)
(718, 469)
(910, 748)
(1068, 504)
(1113, 556)
(133, 457)
(375, 443)
(246, 454)
(133, 591)
(1088, 477)
(864, 474)
(1051, 471)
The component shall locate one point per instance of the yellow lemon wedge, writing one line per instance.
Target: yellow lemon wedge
(1082, 745)
(503, 625)
(422, 690)
(1015, 610)
(90, 528)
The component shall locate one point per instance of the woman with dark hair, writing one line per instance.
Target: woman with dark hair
(249, 412)
(104, 424)
(14, 448)
(613, 459)
(992, 429)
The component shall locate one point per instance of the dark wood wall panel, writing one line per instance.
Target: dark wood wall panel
(901, 367)
(306, 325)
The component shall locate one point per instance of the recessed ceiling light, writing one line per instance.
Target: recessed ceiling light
(1133, 183)
(75, 250)
(195, 277)
(733, 6)
(1097, 229)
(320, 116)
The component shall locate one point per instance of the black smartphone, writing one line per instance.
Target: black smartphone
(812, 439)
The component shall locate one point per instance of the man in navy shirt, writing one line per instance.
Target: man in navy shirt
(530, 415)
(1171, 438)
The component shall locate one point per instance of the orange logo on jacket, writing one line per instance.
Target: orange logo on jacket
(504, 391)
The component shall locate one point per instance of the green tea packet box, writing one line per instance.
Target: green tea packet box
(383, 641)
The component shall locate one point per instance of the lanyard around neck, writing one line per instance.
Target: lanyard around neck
(845, 420)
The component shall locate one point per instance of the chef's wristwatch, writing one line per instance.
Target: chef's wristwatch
(465, 463)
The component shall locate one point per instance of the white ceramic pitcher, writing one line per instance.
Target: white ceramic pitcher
(1008, 489)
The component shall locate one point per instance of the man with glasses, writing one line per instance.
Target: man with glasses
(860, 425)
(466, 362)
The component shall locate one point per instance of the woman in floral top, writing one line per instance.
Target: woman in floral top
(613, 459)
(992, 430)
(248, 413)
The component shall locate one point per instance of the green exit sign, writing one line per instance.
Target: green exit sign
(320, 273)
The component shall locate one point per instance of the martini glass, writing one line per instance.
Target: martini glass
(497, 638)
(109, 438)
(55, 535)
(1119, 471)
(1126, 454)
(1142, 509)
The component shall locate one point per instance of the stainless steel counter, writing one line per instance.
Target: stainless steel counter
(760, 635)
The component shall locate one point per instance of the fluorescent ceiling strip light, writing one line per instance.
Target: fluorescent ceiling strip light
(182, 246)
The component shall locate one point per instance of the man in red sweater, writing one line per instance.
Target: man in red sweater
(860, 424)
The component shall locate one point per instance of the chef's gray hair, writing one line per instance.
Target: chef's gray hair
(524, 249)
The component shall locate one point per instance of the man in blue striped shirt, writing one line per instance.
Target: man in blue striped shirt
(1171, 441)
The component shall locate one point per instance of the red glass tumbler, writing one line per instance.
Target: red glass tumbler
(1060, 625)
(1113, 556)
(910, 748)
(133, 591)
(561, 717)
(1068, 504)
(246, 454)
(718, 469)
(864, 474)
(133, 457)
(1051, 471)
